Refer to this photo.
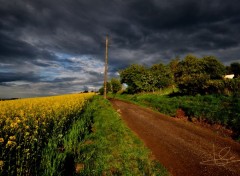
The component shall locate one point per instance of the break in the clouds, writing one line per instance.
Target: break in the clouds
(50, 47)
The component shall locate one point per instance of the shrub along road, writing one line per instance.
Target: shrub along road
(182, 147)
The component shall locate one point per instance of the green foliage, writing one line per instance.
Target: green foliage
(109, 88)
(141, 79)
(234, 115)
(116, 85)
(192, 76)
(101, 91)
(228, 87)
(193, 84)
(195, 76)
(189, 75)
(62, 150)
(235, 69)
(213, 67)
(173, 65)
(216, 87)
(162, 76)
(112, 149)
(132, 76)
(232, 86)
(98, 143)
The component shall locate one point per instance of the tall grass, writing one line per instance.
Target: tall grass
(112, 149)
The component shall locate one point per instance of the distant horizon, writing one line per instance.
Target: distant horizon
(80, 91)
(10, 98)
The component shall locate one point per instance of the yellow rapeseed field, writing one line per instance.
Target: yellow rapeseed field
(27, 124)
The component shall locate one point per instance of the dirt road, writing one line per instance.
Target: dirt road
(182, 147)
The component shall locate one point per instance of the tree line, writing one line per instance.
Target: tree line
(191, 76)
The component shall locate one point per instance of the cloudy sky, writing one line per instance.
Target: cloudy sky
(50, 47)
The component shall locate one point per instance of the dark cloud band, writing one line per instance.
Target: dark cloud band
(33, 35)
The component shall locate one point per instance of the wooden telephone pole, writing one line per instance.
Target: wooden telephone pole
(106, 69)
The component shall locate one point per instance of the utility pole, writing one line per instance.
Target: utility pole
(106, 69)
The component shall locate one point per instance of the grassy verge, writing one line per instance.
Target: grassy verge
(112, 149)
(99, 143)
(212, 109)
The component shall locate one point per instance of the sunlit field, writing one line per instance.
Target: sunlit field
(26, 125)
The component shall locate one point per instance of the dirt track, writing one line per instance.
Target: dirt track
(182, 147)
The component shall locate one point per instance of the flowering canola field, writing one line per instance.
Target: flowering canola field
(27, 124)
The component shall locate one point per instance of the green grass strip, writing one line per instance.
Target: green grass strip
(111, 148)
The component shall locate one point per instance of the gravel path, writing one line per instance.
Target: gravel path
(182, 147)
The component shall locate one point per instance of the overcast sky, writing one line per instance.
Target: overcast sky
(50, 47)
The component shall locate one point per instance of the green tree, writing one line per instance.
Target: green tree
(213, 67)
(196, 75)
(228, 70)
(116, 85)
(109, 88)
(190, 76)
(173, 65)
(235, 69)
(135, 77)
(162, 76)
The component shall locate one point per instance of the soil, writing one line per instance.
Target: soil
(184, 148)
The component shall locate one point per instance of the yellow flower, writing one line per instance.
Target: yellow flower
(21, 113)
(12, 138)
(17, 120)
(14, 125)
(1, 164)
(11, 144)
(1, 140)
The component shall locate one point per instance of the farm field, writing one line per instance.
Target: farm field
(78, 134)
(27, 125)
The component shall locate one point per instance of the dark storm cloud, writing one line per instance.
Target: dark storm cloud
(47, 34)
(161, 15)
(14, 48)
(10, 77)
(78, 27)
(162, 22)
(17, 51)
